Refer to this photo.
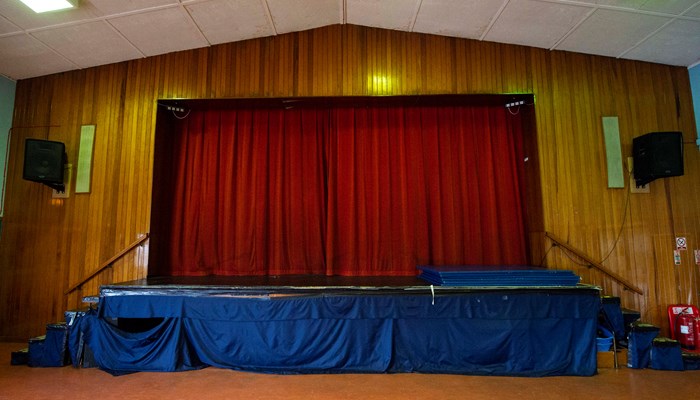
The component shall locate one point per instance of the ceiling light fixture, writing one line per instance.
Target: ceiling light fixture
(40, 6)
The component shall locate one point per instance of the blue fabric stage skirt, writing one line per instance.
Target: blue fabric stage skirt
(487, 332)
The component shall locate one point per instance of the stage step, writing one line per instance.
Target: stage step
(691, 361)
(50, 350)
(20, 357)
(629, 317)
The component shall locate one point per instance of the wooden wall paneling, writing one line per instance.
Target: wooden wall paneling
(35, 233)
(350, 59)
(129, 180)
(110, 190)
(414, 63)
(562, 213)
(189, 75)
(327, 61)
(148, 104)
(398, 67)
(373, 73)
(478, 61)
(303, 82)
(178, 63)
(169, 86)
(666, 279)
(139, 117)
(280, 66)
(232, 70)
(82, 204)
(405, 62)
(201, 91)
(369, 69)
(249, 62)
(386, 65)
(515, 69)
(215, 80)
(688, 272)
(66, 207)
(463, 67)
(91, 225)
(288, 70)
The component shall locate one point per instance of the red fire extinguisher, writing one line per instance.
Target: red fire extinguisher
(685, 329)
(697, 331)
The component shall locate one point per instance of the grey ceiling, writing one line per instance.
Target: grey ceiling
(107, 31)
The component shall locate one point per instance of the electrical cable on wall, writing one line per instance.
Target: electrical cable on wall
(624, 219)
(545, 254)
(617, 239)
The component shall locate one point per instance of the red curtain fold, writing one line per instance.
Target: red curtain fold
(248, 194)
(412, 186)
(339, 191)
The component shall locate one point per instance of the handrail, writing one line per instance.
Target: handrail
(108, 263)
(624, 282)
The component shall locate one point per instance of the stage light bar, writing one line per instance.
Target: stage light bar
(40, 6)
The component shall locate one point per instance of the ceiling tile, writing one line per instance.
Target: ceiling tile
(293, 16)
(611, 33)
(662, 6)
(680, 41)
(223, 21)
(89, 44)
(534, 23)
(675, 7)
(7, 26)
(460, 18)
(25, 57)
(109, 7)
(25, 18)
(159, 32)
(387, 14)
(695, 12)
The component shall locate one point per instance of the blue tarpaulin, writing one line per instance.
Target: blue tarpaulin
(500, 276)
(496, 332)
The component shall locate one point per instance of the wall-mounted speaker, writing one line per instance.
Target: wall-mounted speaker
(44, 161)
(657, 155)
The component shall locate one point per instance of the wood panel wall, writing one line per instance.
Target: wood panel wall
(49, 245)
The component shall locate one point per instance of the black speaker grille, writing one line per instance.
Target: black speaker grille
(657, 155)
(44, 161)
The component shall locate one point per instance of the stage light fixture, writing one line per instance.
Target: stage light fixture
(41, 6)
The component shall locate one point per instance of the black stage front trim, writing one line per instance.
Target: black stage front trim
(306, 284)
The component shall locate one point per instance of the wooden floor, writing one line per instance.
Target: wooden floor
(22, 382)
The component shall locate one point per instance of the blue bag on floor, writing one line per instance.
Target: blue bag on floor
(666, 355)
(639, 346)
(691, 362)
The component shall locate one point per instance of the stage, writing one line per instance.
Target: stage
(319, 324)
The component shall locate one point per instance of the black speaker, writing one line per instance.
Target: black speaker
(44, 162)
(657, 155)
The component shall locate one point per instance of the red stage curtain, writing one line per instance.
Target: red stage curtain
(248, 194)
(424, 185)
(339, 191)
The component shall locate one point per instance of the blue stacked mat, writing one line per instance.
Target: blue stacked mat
(496, 275)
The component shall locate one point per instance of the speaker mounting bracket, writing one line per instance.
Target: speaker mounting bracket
(57, 187)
